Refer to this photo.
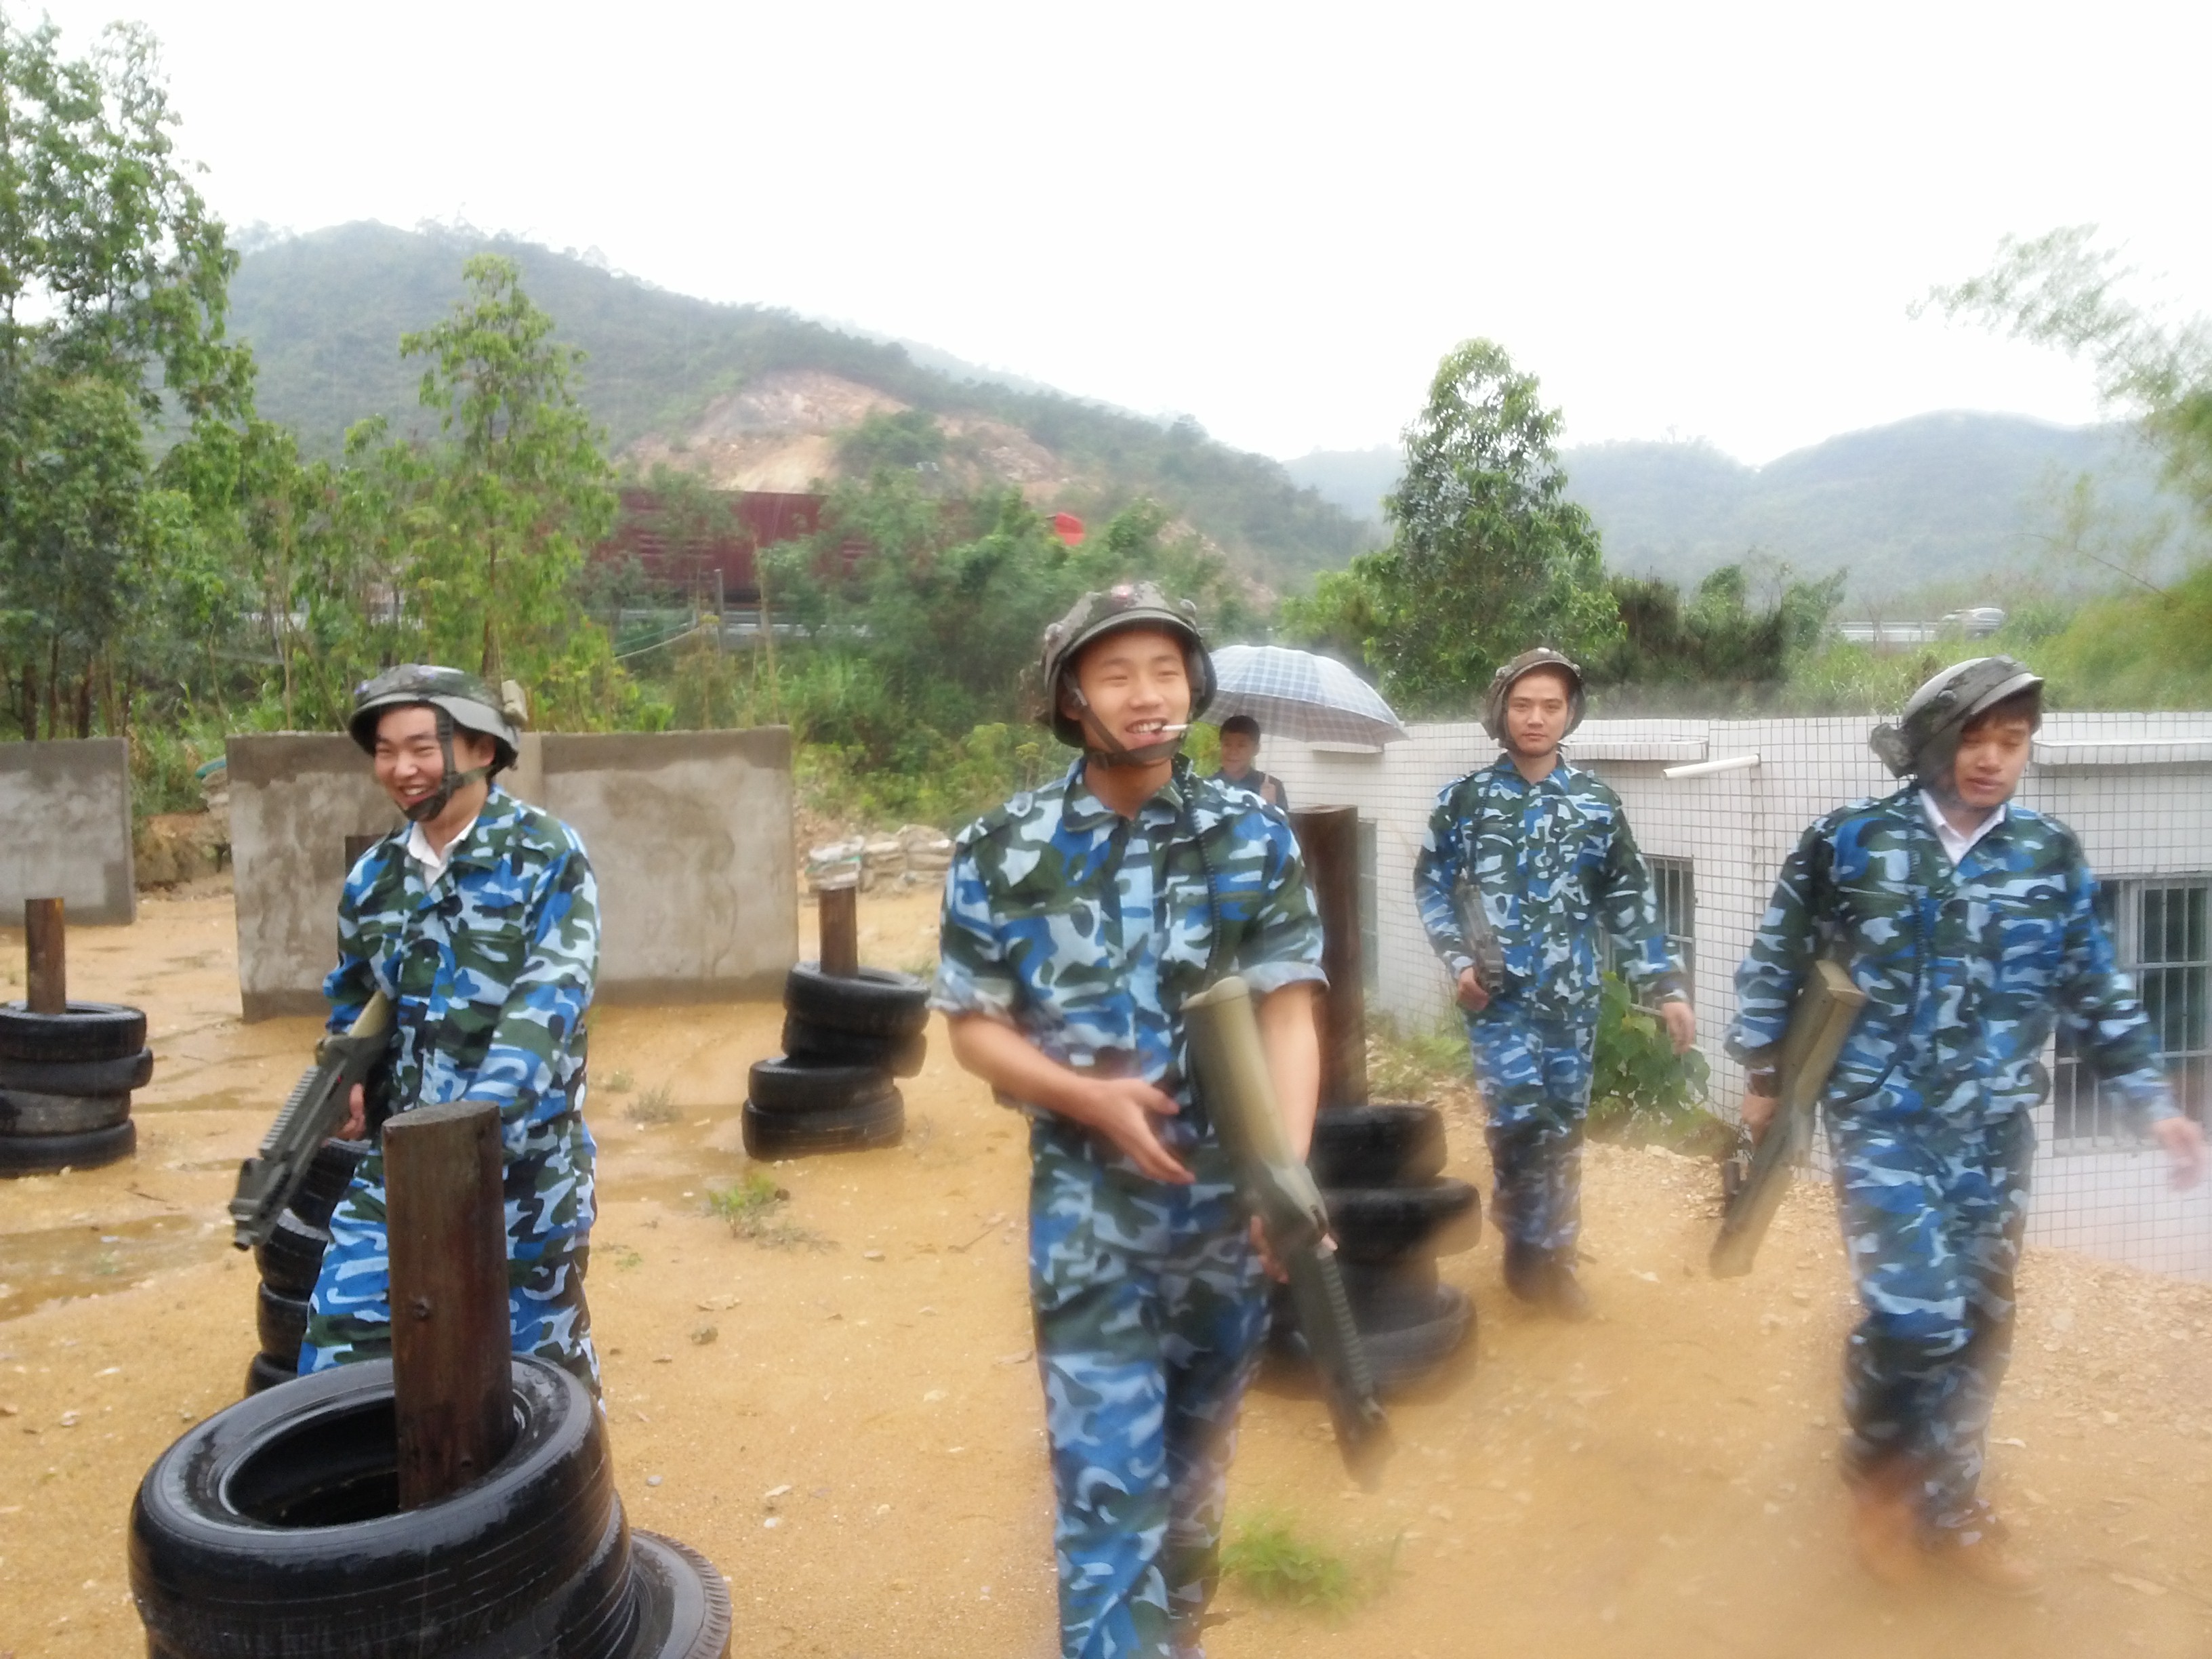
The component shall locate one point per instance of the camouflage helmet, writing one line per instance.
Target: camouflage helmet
(460, 697)
(1925, 737)
(1502, 684)
(1125, 605)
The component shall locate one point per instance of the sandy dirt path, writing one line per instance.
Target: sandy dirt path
(1660, 1481)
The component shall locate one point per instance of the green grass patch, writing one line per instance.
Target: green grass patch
(656, 1105)
(754, 1209)
(1406, 1062)
(1278, 1566)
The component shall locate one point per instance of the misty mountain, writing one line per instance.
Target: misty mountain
(324, 313)
(1937, 498)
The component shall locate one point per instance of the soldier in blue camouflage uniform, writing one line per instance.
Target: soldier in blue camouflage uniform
(480, 922)
(1970, 925)
(1526, 862)
(1078, 918)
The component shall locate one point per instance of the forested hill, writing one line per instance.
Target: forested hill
(1936, 499)
(672, 377)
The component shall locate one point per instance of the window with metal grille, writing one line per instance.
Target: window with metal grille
(1675, 882)
(2161, 933)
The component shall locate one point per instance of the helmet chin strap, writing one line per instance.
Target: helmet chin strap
(423, 810)
(1107, 751)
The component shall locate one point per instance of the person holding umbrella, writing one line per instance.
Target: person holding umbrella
(1240, 747)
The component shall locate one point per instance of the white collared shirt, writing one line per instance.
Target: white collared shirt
(1957, 843)
(434, 863)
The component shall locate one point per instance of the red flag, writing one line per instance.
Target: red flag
(1068, 528)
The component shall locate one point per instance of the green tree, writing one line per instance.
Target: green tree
(1488, 556)
(500, 512)
(2148, 646)
(113, 289)
(1715, 640)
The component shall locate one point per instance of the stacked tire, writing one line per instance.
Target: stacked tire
(65, 1084)
(273, 1528)
(288, 1260)
(1393, 1212)
(845, 1039)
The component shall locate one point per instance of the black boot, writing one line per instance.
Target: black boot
(1527, 1271)
(1564, 1295)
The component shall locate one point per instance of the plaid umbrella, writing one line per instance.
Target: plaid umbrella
(1297, 695)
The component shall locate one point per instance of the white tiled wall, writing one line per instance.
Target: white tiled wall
(2145, 817)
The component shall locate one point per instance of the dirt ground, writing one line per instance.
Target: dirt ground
(853, 1431)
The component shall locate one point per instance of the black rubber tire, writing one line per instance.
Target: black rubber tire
(873, 1123)
(25, 1112)
(682, 1602)
(25, 1155)
(272, 1529)
(79, 1077)
(810, 1044)
(291, 1256)
(329, 1174)
(880, 1002)
(1383, 1144)
(784, 1085)
(1404, 1347)
(265, 1373)
(88, 1030)
(1378, 1294)
(281, 1322)
(1416, 1340)
(1376, 1225)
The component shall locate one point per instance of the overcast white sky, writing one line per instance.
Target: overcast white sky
(1700, 220)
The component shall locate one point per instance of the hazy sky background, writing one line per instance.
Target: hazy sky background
(1705, 221)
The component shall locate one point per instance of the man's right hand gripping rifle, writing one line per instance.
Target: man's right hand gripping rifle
(326, 1101)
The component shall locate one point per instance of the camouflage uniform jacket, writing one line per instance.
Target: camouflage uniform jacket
(1966, 970)
(1085, 930)
(490, 968)
(1555, 862)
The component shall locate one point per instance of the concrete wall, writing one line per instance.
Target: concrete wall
(66, 805)
(295, 799)
(2136, 788)
(689, 833)
(690, 836)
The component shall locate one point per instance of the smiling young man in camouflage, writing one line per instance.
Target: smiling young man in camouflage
(1970, 923)
(480, 921)
(1078, 918)
(1537, 854)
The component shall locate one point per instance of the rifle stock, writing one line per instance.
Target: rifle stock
(1232, 1071)
(1826, 1007)
(312, 1112)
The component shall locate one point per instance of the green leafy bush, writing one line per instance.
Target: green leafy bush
(1643, 1091)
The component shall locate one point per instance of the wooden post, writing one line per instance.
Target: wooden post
(47, 987)
(839, 912)
(1328, 837)
(451, 1376)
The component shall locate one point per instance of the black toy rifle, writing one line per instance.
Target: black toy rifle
(1826, 1007)
(1476, 925)
(1232, 1073)
(317, 1106)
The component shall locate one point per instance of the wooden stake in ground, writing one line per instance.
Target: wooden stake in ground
(840, 913)
(452, 1377)
(46, 983)
(1329, 839)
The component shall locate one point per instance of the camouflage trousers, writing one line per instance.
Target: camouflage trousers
(1932, 1214)
(1533, 1073)
(1151, 1306)
(350, 1316)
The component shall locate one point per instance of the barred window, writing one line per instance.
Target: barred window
(1675, 882)
(2161, 933)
